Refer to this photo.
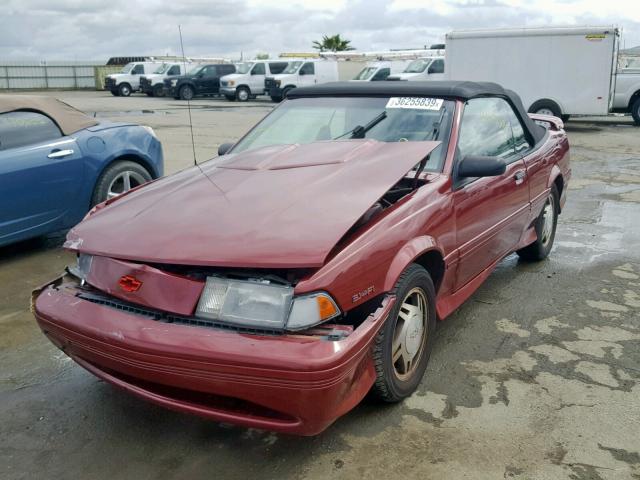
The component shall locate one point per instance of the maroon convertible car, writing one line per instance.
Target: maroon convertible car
(277, 284)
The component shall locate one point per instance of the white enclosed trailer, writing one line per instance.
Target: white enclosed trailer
(560, 71)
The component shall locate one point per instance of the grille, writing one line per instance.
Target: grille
(165, 317)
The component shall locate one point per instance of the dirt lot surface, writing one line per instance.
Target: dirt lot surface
(537, 376)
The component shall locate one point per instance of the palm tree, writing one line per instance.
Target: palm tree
(332, 43)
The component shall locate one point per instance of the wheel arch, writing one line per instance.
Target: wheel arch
(422, 250)
(635, 96)
(551, 100)
(556, 178)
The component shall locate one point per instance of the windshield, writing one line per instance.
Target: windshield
(194, 71)
(163, 68)
(366, 73)
(292, 67)
(127, 68)
(417, 66)
(385, 119)
(243, 67)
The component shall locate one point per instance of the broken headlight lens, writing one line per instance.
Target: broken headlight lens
(263, 305)
(82, 267)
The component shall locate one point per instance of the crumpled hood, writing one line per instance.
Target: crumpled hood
(281, 206)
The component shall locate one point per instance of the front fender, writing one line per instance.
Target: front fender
(406, 255)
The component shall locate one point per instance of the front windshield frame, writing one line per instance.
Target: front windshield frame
(128, 67)
(366, 73)
(438, 157)
(244, 67)
(195, 70)
(413, 66)
(293, 67)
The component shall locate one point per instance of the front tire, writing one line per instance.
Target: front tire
(403, 345)
(186, 92)
(545, 226)
(242, 94)
(635, 112)
(124, 89)
(158, 91)
(118, 178)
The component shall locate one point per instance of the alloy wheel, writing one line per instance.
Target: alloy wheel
(410, 334)
(548, 220)
(124, 182)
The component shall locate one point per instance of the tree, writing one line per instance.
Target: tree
(332, 43)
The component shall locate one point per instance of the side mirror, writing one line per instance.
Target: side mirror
(224, 148)
(473, 166)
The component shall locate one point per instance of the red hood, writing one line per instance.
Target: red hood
(279, 206)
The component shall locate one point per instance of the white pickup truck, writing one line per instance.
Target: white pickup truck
(626, 98)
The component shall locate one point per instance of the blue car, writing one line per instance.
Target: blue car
(56, 163)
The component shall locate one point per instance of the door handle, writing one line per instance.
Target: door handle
(519, 176)
(60, 153)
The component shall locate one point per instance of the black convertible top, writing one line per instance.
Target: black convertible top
(443, 89)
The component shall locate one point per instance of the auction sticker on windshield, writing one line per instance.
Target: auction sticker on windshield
(422, 103)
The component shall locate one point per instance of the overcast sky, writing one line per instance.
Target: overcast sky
(98, 29)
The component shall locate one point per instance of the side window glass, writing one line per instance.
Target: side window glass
(174, 70)
(277, 67)
(437, 66)
(381, 74)
(258, 69)
(307, 69)
(486, 129)
(19, 129)
(210, 71)
(138, 69)
(520, 142)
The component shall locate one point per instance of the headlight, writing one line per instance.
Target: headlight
(262, 305)
(150, 130)
(82, 268)
(231, 83)
(278, 82)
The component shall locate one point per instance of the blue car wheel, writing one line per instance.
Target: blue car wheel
(117, 179)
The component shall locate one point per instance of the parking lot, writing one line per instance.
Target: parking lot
(535, 377)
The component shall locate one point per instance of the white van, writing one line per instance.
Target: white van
(377, 71)
(248, 81)
(153, 84)
(420, 69)
(128, 80)
(300, 73)
(558, 71)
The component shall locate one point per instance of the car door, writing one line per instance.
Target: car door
(307, 74)
(40, 173)
(256, 79)
(209, 80)
(436, 70)
(491, 212)
(136, 72)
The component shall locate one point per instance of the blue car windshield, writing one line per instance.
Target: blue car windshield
(307, 120)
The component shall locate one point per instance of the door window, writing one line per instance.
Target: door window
(520, 142)
(209, 71)
(486, 129)
(138, 69)
(18, 129)
(307, 69)
(174, 70)
(437, 66)
(258, 69)
(381, 74)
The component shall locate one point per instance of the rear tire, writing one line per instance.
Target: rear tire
(546, 107)
(546, 232)
(242, 94)
(118, 178)
(124, 89)
(403, 345)
(158, 91)
(635, 112)
(186, 92)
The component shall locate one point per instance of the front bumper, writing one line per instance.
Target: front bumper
(110, 84)
(228, 91)
(146, 86)
(297, 384)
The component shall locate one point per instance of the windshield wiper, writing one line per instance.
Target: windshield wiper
(359, 131)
